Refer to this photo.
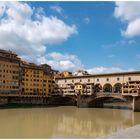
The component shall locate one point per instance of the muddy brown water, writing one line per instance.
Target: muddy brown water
(64, 122)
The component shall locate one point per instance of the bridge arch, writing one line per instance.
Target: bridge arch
(117, 88)
(99, 101)
(107, 87)
(97, 88)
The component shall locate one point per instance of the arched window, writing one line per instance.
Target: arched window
(107, 88)
(117, 88)
(97, 88)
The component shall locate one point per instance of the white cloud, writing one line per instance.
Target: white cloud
(57, 8)
(133, 29)
(100, 70)
(71, 62)
(87, 20)
(129, 12)
(61, 61)
(29, 36)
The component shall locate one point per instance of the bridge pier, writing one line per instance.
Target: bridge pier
(136, 104)
(82, 101)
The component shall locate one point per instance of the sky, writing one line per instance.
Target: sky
(100, 37)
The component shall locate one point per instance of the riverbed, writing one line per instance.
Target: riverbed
(64, 122)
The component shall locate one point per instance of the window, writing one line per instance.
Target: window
(88, 80)
(97, 80)
(65, 81)
(72, 81)
(80, 80)
(129, 78)
(118, 78)
(107, 79)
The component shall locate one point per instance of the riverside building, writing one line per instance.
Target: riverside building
(23, 78)
(36, 80)
(9, 72)
(131, 87)
(107, 83)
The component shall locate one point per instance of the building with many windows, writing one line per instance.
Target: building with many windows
(20, 77)
(9, 72)
(23, 78)
(107, 83)
(131, 88)
(36, 80)
(84, 89)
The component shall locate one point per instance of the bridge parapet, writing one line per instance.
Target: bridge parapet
(108, 94)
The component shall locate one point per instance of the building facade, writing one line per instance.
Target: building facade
(23, 78)
(36, 80)
(84, 89)
(131, 88)
(107, 83)
(9, 72)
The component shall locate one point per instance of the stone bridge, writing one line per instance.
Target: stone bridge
(98, 99)
(108, 94)
(95, 100)
(85, 100)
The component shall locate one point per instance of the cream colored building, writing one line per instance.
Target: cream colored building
(131, 88)
(102, 82)
(84, 89)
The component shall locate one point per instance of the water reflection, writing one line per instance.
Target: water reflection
(64, 122)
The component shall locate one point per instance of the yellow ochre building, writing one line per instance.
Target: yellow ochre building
(23, 78)
(18, 77)
(9, 72)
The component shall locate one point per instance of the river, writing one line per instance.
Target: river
(64, 122)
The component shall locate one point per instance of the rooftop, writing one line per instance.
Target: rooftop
(99, 75)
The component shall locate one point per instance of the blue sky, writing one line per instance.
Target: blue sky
(100, 37)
